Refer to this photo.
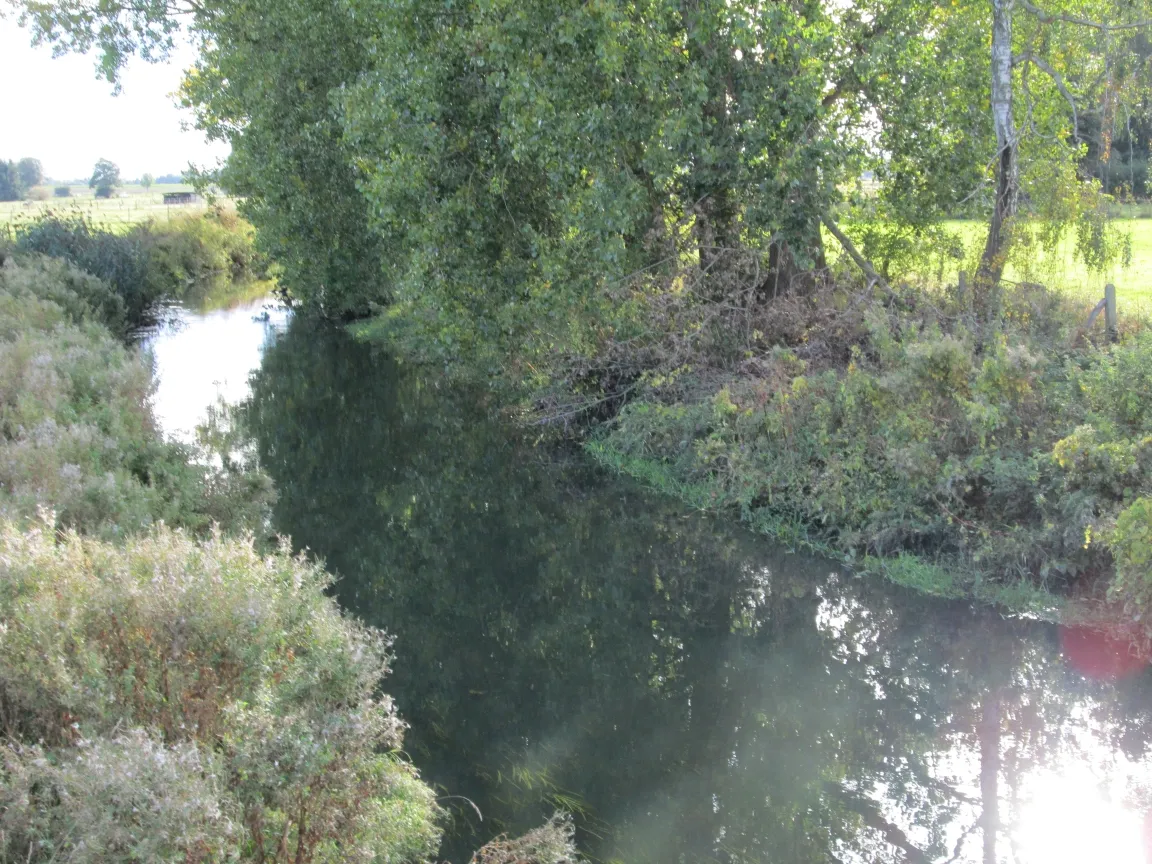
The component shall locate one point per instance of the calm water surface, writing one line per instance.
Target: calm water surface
(691, 693)
(203, 356)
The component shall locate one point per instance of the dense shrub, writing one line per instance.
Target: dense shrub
(120, 259)
(128, 798)
(195, 701)
(76, 432)
(191, 249)
(62, 191)
(1007, 461)
(150, 262)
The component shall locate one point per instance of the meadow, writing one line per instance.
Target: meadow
(1065, 272)
(132, 204)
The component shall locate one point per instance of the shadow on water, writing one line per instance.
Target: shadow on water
(692, 694)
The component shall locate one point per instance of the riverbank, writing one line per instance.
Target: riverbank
(175, 685)
(893, 438)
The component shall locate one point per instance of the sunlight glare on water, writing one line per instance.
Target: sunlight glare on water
(1067, 818)
(205, 356)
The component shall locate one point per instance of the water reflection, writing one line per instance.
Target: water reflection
(692, 694)
(202, 355)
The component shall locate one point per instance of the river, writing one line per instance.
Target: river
(691, 693)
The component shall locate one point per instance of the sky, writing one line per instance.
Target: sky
(57, 110)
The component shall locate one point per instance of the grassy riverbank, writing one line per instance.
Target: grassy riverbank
(174, 684)
(209, 254)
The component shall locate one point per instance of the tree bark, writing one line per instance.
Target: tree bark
(1007, 189)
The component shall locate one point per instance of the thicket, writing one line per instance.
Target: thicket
(153, 261)
(893, 434)
(76, 432)
(173, 700)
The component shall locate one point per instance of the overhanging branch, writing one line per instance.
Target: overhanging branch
(1047, 69)
(1048, 17)
(863, 263)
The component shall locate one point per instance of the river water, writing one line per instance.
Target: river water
(565, 640)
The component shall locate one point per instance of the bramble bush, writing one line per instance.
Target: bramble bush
(193, 701)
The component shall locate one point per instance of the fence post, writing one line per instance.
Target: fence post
(962, 290)
(1110, 312)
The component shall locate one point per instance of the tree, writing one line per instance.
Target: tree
(146, 181)
(105, 178)
(515, 177)
(31, 172)
(11, 186)
(1087, 55)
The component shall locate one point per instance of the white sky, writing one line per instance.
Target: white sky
(57, 111)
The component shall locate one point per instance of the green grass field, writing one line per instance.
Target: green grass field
(132, 204)
(1064, 272)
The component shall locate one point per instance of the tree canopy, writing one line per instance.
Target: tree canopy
(509, 173)
(31, 172)
(12, 187)
(105, 178)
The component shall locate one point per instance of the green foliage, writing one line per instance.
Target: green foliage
(62, 191)
(11, 186)
(152, 261)
(105, 178)
(257, 698)
(78, 437)
(289, 163)
(1002, 466)
(146, 180)
(119, 259)
(31, 172)
(1131, 543)
(131, 797)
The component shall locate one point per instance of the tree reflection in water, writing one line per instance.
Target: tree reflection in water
(564, 639)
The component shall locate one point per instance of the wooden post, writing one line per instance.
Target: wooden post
(1110, 312)
(962, 290)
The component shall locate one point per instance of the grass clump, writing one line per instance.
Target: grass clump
(77, 435)
(996, 466)
(193, 700)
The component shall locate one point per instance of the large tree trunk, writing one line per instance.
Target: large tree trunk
(995, 249)
(989, 735)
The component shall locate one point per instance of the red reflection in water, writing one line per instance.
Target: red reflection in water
(1100, 655)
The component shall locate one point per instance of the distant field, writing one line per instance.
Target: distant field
(132, 204)
(1133, 283)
